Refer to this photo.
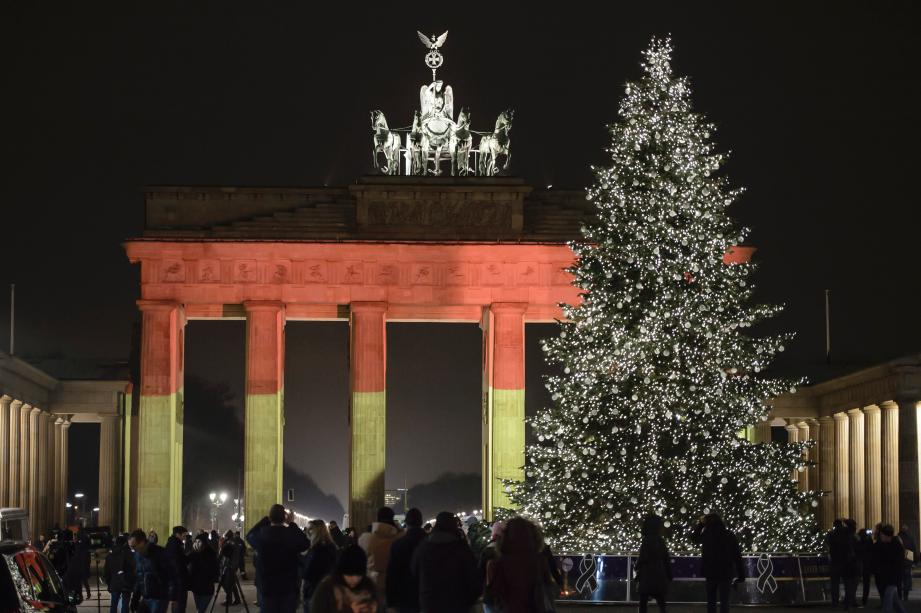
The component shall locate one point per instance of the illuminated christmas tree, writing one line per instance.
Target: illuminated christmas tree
(660, 369)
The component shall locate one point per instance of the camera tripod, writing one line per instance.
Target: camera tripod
(227, 595)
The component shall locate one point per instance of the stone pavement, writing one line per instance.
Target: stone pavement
(249, 593)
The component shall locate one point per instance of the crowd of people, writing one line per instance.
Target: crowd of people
(423, 568)
(879, 555)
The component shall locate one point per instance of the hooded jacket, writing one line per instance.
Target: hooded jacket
(377, 545)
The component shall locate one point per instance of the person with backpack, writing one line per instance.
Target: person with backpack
(118, 572)
(151, 572)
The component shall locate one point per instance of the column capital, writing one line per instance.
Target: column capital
(4, 399)
(840, 416)
(826, 419)
(367, 306)
(889, 405)
(871, 409)
(158, 305)
(854, 412)
(16, 404)
(508, 307)
(59, 421)
(791, 426)
(36, 411)
(263, 305)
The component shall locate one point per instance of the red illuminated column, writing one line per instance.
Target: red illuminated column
(503, 401)
(160, 416)
(368, 410)
(264, 419)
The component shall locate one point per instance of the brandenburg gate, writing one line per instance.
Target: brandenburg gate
(485, 250)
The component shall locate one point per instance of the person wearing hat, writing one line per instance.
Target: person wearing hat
(446, 569)
(348, 589)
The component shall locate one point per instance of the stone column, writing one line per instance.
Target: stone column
(15, 451)
(504, 436)
(856, 482)
(815, 433)
(763, 432)
(827, 470)
(5, 402)
(58, 514)
(368, 410)
(44, 473)
(803, 477)
(264, 417)
(909, 475)
(873, 472)
(65, 465)
(793, 437)
(35, 481)
(842, 468)
(48, 470)
(108, 471)
(161, 416)
(25, 439)
(889, 444)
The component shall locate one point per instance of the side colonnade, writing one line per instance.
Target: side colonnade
(867, 437)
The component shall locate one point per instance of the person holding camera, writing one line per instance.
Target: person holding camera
(278, 543)
(721, 560)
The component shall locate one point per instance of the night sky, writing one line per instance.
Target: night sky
(816, 101)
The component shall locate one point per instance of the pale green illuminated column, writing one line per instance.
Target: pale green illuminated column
(263, 453)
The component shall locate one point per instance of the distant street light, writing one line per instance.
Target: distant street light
(216, 501)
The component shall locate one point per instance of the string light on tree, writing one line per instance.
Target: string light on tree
(659, 369)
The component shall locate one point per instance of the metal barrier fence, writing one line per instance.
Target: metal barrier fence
(772, 579)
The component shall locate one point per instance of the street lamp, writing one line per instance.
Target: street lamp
(237, 516)
(79, 507)
(96, 516)
(216, 501)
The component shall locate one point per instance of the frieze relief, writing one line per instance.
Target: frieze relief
(357, 272)
(443, 214)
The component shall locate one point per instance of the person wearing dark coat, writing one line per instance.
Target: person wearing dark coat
(890, 562)
(178, 569)
(865, 552)
(319, 560)
(348, 589)
(151, 572)
(908, 542)
(241, 553)
(77, 575)
(339, 537)
(842, 559)
(446, 570)
(402, 586)
(653, 566)
(228, 562)
(278, 542)
(203, 573)
(118, 573)
(721, 560)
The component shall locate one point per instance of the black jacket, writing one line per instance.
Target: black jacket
(721, 555)
(842, 554)
(447, 573)
(890, 562)
(653, 566)
(118, 569)
(402, 586)
(178, 569)
(318, 563)
(152, 573)
(277, 548)
(203, 571)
